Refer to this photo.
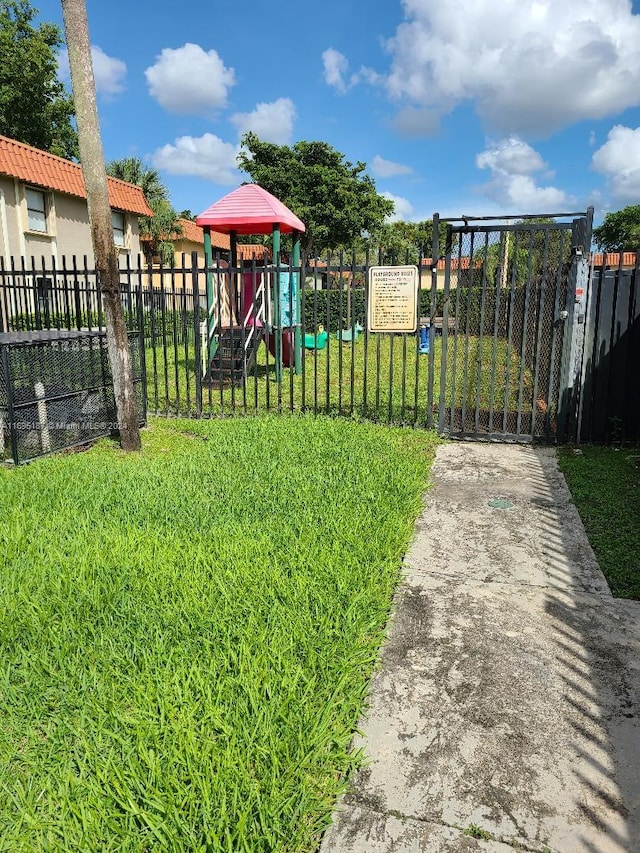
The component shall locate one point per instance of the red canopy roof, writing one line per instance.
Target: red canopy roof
(249, 210)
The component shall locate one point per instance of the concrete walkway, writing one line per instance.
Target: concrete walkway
(506, 711)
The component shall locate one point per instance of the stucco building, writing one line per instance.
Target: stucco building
(43, 208)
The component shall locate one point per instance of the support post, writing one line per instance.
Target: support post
(295, 262)
(234, 311)
(573, 340)
(45, 438)
(276, 300)
(208, 262)
(196, 330)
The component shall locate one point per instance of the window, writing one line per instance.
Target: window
(36, 211)
(118, 223)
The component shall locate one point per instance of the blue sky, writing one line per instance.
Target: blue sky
(474, 107)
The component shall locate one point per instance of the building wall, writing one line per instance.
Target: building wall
(186, 247)
(68, 231)
(9, 232)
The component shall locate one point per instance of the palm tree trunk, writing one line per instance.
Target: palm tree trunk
(104, 249)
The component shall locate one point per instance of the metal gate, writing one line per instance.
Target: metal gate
(512, 319)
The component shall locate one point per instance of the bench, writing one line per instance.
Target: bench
(438, 323)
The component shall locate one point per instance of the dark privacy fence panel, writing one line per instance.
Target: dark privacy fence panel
(610, 399)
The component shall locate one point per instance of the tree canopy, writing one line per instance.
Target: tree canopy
(34, 105)
(158, 231)
(620, 231)
(406, 242)
(516, 257)
(334, 198)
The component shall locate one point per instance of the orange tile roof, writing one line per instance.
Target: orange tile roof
(249, 251)
(456, 263)
(55, 173)
(194, 234)
(612, 259)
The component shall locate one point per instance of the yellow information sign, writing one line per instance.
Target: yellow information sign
(393, 299)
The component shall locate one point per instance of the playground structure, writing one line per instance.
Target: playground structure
(350, 336)
(247, 304)
(317, 341)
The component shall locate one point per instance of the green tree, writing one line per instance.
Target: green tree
(517, 256)
(620, 231)
(406, 242)
(160, 230)
(34, 105)
(334, 198)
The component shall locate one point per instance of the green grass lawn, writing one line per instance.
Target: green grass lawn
(390, 380)
(187, 634)
(605, 486)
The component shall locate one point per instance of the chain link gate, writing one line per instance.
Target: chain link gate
(511, 323)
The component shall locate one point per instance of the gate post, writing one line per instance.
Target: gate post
(573, 341)
(435, 254)
(445, 329)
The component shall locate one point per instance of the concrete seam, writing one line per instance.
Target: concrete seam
(479, 582)
(515, 844)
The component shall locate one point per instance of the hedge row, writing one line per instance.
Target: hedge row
(54, 320)
(330, 308)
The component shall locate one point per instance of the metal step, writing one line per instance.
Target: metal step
(232, 362)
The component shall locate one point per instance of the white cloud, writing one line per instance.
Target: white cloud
(382, 168)
(369, 75)
(108, 71)
(403, 207)
(335, 66)
(530, 66)
(204, 156)
(513, 165)
(511, 156)
(190, 80)
(271, 122)
(336, 69)
(619, 160)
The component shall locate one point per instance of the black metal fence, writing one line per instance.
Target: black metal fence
(56, 390)
(497, 351)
